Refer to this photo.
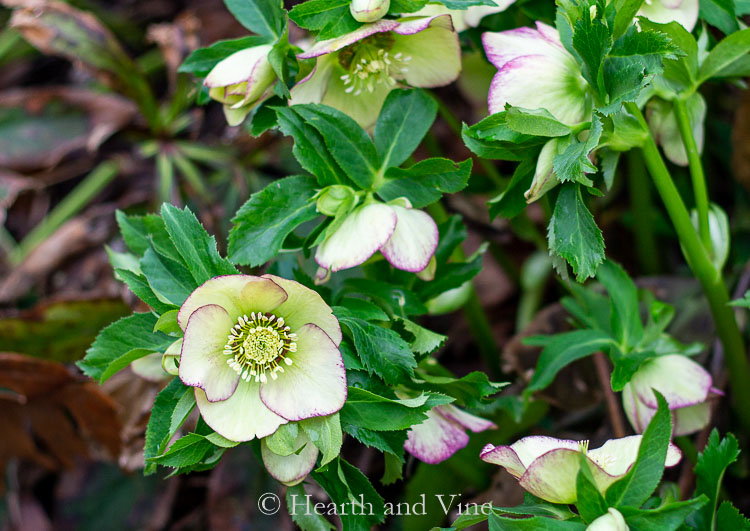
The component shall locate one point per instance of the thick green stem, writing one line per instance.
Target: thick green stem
(78, 198)
(642, 208)
(707, 274)
(696, 171)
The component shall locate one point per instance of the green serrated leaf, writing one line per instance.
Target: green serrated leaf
(375, 412)
(325, 434)
(172, 406)
(405, 118)
(426, 181)
(709, 472)
(537, 122)
(264, 17)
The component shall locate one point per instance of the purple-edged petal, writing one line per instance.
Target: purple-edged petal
(237, 294)
(540, 82)
(362, 233)
(337, 43)
(246, 73)
(682, 381)
(467, 420)
(638, 413)
(505, 457)
(242, 417)
(435, 439)
(530, 448)
(414, 241)
(435, 51)
(313, 87)
(502, 47)
(304, 306)
(475, 14)
(202, 361)
(291, 469)
(314, 385)
(552, 476)
(691, 419)
(663, 12)
(616, 456)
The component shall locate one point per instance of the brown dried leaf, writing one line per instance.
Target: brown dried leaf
(38, 127)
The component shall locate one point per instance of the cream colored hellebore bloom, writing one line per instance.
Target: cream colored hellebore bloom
(406, 237)
(548, 467)
(443, 433)
(612, 520)
(241, 82)
(260, 352)
(685, 385)
(684, 12)
(355, 72)
(292, 468)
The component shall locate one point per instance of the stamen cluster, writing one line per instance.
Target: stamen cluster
(258, 344)
(372, 66)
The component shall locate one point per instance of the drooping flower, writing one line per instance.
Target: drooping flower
(355, 72)
(535, 71)
(369, 10)
(406, 237)
(663, 125)
(241, 81)
(260, 352)
(443, 433)
(685, 385)
(612, 520)
(465, 18)
(292, 468)
(548, 467)
(684, 12)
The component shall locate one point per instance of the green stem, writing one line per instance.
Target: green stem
(78, 198)
(696, 170)
(707, 274)
(479, 324)
(642, 208)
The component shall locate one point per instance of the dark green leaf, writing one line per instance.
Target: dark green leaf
(725, 53)
(171, 281)
(590, 502)
(728, 517)
(512, 201)
(405, 118)
(426, 181)
(172, 406)
(572, 164)
(138, 284)
(264, 17)
(537, 122)
(373, 412)
(666, 518)
(625, 317)
(186, 451)
(537, 523)
(720, 13)
(709, 472)
(297, 505)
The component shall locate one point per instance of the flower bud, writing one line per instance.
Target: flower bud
(241, 81)
(545, 178)
(369, 10)
(333, 197)
(612, 520)
(718, 229)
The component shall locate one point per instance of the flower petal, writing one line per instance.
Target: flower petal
(364, 107)
(242, 417)
(616, 456)
(149, 367)
(638, 413)
(540, 82)
(685, 12)
(312, 88)
(362, 233)
(682, 381)
(552, 476)
(545, 179)
(612, 520)
(663, 123)
(505, 457)
(202, 360)
(249, 65)
(414, 241)
(502, 47)
(290, 469)
(314, 385)
(337, 43)
(237, 294)
(690, 419)
(304, 306)
(474, 14)
(435, 52)
(530, 448)
(435, 439)
(467, 420)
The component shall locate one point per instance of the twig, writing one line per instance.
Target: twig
(613, 407)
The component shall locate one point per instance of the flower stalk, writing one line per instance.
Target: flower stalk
(703, 268)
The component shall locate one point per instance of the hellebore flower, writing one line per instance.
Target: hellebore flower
(443, 433)
(663, 124)
(548, 467)
(355, 72)
(684, 12)
(406, 237)
(294, 467)
(684, 384)
(612, 520)
(464, 18)
(241, 81)
(260, 352)
(369, 10)
(535, 71)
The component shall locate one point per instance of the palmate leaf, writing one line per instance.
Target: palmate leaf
(573, 234)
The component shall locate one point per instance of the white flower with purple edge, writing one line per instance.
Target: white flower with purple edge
(535, 71)
(443, 433)
(406, 237)
(685, 385)
(465, 18)
(548, 467)
(355, 72)
(684, 12)
(260, 352)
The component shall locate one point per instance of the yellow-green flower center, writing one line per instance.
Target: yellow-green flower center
(371, 62)
(259, 344)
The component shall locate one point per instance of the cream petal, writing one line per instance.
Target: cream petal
(467, 420)
(203, 363)
(540, 82)
(474, 15)
(337, 43)
(435, 439)
(435, 52)
(304, 306)
(552, 476)
(291, 469)
(612, 520)
(691, 419)
(682, 381)
(362, 233)
(505, 457)
(502, 47)
(242, 417)
(312, 88)
(237, 294)
(530, 448)
(685, 12)
(616, 456)
(364, 107)
(413, 242)
(249, 65)
(314, 385)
